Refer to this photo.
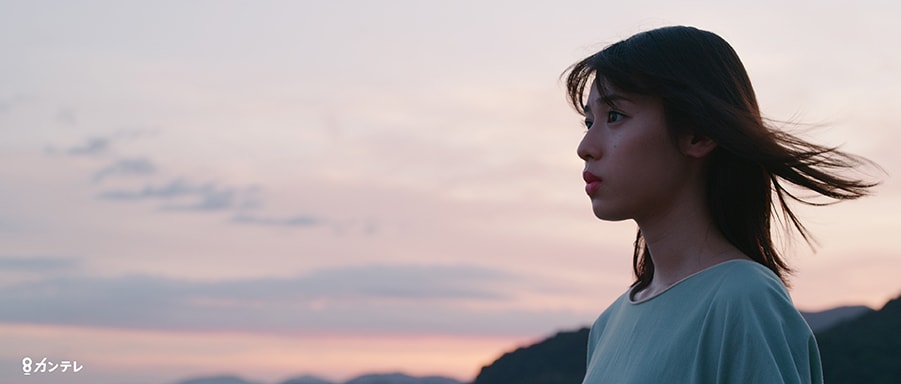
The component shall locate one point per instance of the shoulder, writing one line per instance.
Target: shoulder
(612, 311)
(751, 303)
(745, 281)
(745, 299)
(748, 294)
(745, 271)
(753, 323)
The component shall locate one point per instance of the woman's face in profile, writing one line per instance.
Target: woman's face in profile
(633, 168)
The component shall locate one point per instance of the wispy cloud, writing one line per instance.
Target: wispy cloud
(375, 298)
(175, 188)
(184, 195)
(207, 196)
(37, 263)
(181, 194)
(93, 146)
(290, 221)
(178, 194)
(130, 166)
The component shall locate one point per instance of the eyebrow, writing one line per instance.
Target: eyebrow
(609, 99)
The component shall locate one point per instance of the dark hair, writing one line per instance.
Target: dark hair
(705, 90)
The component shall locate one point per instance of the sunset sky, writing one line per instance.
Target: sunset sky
(272, 189)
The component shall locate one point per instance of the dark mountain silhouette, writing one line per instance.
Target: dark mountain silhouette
(866, 349)
(307, 379)
(559, 359)
(821, 321)
(400, 378)
(388, 378)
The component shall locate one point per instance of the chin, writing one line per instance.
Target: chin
(607, 214)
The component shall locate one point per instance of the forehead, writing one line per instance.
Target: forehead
(602, 92)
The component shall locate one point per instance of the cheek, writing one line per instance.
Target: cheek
(649, 158)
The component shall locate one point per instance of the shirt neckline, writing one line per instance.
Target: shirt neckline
(646, 299)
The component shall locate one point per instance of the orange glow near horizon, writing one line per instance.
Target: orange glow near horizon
(181, 355)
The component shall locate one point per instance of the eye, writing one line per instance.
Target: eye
(588, 123)
(614, 116)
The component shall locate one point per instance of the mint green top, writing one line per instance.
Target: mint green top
(731, 323)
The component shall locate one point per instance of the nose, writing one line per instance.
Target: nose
(587, 149)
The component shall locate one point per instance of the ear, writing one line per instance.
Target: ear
(696, 146)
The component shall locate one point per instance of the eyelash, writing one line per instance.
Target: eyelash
(609, 120)
(588, 122)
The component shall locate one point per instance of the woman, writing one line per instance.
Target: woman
(676, 142)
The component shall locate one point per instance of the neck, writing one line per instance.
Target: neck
(683, 240)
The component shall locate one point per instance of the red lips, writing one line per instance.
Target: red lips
(592, 182)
